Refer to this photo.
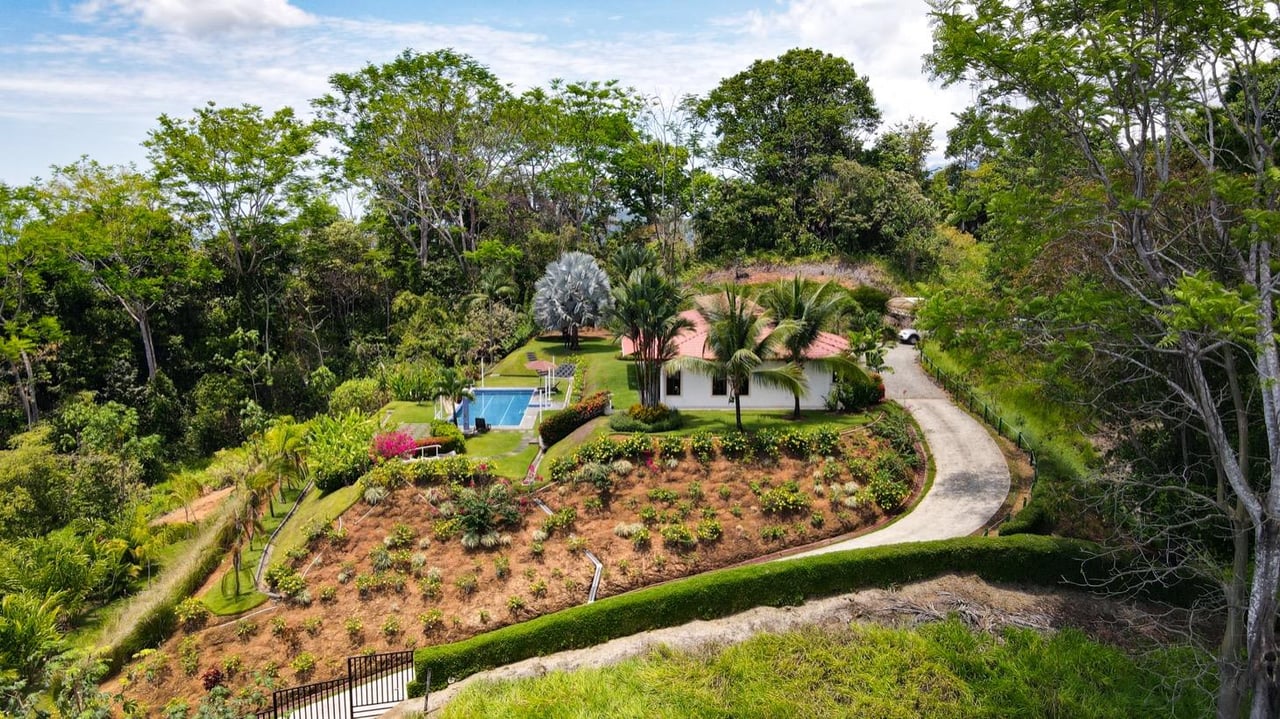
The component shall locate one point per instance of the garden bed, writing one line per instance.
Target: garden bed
(397, 575)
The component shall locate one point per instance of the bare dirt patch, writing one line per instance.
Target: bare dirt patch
(199, 509)
(843, 273)
(357, 607)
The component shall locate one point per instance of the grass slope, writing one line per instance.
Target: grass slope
(940, 670)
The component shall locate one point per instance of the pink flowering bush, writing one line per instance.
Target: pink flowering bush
(392, 444)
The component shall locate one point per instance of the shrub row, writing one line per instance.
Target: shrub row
(558, 426)
(1025, 558)
(445, 470)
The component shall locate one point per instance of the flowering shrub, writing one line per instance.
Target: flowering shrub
(391, 444)
(649, 415)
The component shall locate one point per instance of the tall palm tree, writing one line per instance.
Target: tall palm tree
(740, 339)
(646, 310)
(812, 309)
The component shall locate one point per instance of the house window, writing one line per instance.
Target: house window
(673, 384)
(744, 387)
(719, 387)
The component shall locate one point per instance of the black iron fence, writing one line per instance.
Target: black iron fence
(964, 394)
(368, 689)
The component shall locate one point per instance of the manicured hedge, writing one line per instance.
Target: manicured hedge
(559, 425)
(1024, 558)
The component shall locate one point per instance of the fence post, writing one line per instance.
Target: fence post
(426, 694)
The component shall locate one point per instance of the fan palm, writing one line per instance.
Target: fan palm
(646, 310)
(574, 293)
(812, 310)
(740, 340)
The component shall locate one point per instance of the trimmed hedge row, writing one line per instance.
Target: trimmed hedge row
(559, 425)
(1024, 558)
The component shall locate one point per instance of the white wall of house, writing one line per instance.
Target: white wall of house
(695, 393)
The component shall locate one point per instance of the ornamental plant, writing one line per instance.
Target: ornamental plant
(389, 445)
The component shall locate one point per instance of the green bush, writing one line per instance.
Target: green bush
(361, 394)
(855, 391)
(338, 449)
(826, 441)
(453, 439)
(557, 426)
(1024, 558)
(601, 451)
(796, 443)
(735, 445)
(671, 447)
(784, 499)
(622, 422)
(870, 298)
(703, 446)
(888, 492)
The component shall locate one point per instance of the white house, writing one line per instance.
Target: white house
(688, 390)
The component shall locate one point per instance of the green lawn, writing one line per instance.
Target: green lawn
(315, 506)
(225, 601)
(942, 670)
(507, 451)
(406, 413)
(721, 421)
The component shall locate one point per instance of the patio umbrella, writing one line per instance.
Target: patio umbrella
(540, 366)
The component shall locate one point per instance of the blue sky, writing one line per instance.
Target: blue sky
(89, 77)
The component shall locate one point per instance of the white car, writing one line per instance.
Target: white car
(909, 335)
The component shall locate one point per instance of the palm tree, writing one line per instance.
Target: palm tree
(574, 293)
(453, 386)
(740, 340)
(283, 451)
(646, 310)
(29, 634)
(813, 310)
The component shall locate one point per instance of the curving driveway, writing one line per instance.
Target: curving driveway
(972, 477)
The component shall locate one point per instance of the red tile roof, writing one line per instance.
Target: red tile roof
(693, 342)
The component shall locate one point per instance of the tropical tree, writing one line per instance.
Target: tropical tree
(111, 223)
(574, 293)
(646, 310)
(740, 340)
(453, 386)
(431, 138)
(29, 634)
(629, 258)
(812, 309)
(1164, 115)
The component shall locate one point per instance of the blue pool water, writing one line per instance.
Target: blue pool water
(501, 407)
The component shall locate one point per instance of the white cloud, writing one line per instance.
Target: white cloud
(198, 17)
(142, 58)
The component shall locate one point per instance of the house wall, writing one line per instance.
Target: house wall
(696, 393)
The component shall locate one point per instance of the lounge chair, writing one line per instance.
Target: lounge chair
(531, 356)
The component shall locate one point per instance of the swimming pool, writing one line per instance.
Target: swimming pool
(501, 407)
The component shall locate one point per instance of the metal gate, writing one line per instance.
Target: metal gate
(374, 684)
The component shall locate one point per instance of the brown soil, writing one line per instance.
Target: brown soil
(726, 494)
(844, 274)
(199, 509)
